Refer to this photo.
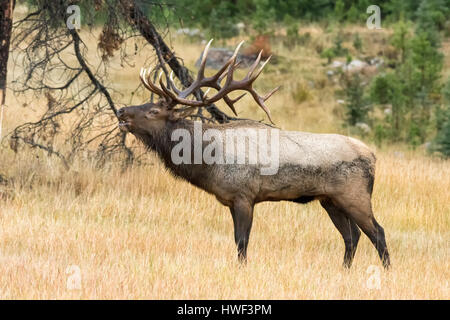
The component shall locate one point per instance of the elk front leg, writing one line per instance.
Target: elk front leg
(242, 213)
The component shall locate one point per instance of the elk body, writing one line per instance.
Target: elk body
(336, 170)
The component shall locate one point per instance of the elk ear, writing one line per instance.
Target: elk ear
(152, 113)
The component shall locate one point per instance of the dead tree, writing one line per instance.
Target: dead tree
(6, 12)
(82, 92)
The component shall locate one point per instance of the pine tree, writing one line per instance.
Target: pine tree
(431, 16)
(442, 139)
(356, 104)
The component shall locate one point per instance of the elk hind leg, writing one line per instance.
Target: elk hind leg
(347, 228)
(360, 210)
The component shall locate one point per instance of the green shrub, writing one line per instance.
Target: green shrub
(328, 54)
(356, 104)
(292, 36)
(442, 140)
(357, 42)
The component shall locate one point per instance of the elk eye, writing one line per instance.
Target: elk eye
(151, 113)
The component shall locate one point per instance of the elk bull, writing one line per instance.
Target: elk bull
(336, 170)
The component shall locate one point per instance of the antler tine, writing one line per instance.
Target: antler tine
(172, 84)
(144, 82)
(218, 77)
(232, 64)
(149, 85)
(267, 96)
(237, 64)
(160, 77)
(164, 88)
(260, 101)
(205, 94)
(237, 50)
(254, 65)
(196, 84)
(179, 100)
(260, 69)
(231, 102)
(201, 71)
(238, 98)
(225, 74)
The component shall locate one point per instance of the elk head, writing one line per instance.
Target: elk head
(154, 115)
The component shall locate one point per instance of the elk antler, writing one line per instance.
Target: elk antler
(149, 85)
(177, 96)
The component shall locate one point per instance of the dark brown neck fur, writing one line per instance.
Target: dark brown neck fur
(160, 142)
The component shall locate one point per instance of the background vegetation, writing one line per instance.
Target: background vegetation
(412, 85)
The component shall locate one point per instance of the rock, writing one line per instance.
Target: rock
(387, 111)
(337, 64)
(190, 32)
(217, 57)
(240, 26)
(377, 62)
(355, 66)
(364, 127)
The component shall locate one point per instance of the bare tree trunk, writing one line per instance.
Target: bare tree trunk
(6, 12)
(137, 18)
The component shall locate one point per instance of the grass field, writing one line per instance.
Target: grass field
(142, 234)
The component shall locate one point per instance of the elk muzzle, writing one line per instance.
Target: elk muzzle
(124, 122)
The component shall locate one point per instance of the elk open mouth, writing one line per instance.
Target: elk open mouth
(123, 125)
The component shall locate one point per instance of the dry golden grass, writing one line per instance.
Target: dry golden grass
(142, 234)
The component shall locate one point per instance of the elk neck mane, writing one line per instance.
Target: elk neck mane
(160, 142)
